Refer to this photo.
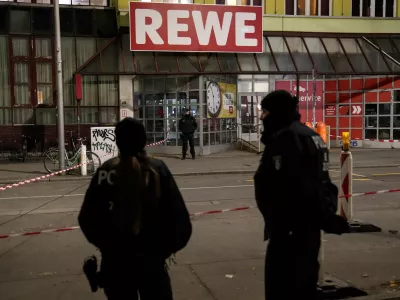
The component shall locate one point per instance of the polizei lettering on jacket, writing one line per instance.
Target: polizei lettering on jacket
(191, 27)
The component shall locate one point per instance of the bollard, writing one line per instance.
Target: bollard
(345, 206)
(83, 160)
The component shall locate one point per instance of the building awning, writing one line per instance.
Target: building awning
(295, 54)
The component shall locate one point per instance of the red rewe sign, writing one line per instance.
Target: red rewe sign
(195, 28)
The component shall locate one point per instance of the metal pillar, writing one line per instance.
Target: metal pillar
(201, 102)
(314, 100)
(60, 100)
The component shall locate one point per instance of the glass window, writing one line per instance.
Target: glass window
(371, 109)
(318, 54)
(371, 122)
(281, 53)
(20, 20)
(23, 116)
(43, 48)
(44, 80)
(396, 95)
(42, 20)
(384, 109)
(105, 22)
(5, 118)
(370, 134)
(21, 83)
(68, 68)
(337, 55)
(307, 7)
(4, 19)
(239, 2)
(228, 62)
(376, 59)
(383, 134)
(89, 92)
(396, 121)
(389, 9)
(46, 116)
(89, 115)
(5, 99)
(84, 22)
(66, 21)
(384, 121)
(166, 62)
(299, 53)
(373, 8)
(355, 55)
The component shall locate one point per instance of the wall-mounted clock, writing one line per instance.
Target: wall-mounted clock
(214, 99)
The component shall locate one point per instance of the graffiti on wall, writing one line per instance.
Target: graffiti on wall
(103, 142)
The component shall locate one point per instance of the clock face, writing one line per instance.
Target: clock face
(214, 102)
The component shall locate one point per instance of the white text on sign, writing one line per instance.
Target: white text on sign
(201, 28)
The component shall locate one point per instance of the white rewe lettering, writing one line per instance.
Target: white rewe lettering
(212, 24)
(174, 27)
(241, 29)
(150, 29)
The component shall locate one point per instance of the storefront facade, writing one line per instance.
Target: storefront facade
(356, 83)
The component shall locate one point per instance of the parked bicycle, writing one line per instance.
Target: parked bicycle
(52, 158)
(22, 152)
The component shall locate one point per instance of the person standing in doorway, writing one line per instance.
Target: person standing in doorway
(187, 127)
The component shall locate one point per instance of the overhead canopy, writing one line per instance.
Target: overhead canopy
(332, 55)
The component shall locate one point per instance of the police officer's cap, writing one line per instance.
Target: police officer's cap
(130, 136)
(279, 102)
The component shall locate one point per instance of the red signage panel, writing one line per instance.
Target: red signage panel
(195, 28)
(330, 111)
(305, 97)
(356, 109)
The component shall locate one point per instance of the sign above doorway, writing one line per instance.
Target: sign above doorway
(195, 28)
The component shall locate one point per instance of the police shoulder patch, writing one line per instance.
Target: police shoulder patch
(277, 162)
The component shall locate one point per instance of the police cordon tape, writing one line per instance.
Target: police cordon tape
(6, 187)
(210, 212)
(219, 211)
(369, 140)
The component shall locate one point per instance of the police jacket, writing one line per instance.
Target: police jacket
(187, 124)
(167, 227)
(293, 189)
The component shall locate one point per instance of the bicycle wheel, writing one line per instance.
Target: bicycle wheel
(51, 161)
(92, 162)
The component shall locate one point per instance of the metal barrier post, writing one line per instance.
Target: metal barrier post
(345, 207)
(83, 160)
(346, 180)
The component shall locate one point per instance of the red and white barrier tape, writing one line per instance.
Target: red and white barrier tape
(6, 187)
(370, 140)
(211, 212)
(219, 211)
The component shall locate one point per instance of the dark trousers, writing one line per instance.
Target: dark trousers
(187, 137)
(151, 281)
(291, 267)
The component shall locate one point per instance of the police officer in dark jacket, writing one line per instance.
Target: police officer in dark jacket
(296, 197)
(134, 213)
(187, 127)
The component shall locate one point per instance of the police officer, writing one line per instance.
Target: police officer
(296, 197)
(134, 213)
(187, 127)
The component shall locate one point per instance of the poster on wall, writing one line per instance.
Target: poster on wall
(330, 111)
(305, 97)
(102, 142)
(221, 100)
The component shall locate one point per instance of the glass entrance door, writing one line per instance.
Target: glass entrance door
(249, 124)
